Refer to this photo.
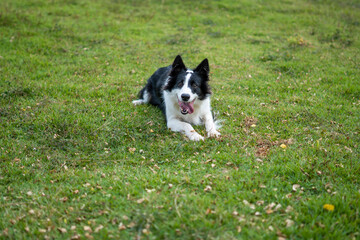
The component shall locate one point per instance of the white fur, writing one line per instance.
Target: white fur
(178, 122)
(145, 99)
(185, 88)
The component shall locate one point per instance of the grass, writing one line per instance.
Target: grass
(79, 161)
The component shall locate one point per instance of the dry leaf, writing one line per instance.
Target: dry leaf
(88, 236)
(329, 207)
(295, 187)
(207, 188)
(238, 229)
(99, 228)
(121, 226)
(62, 230)
(141, 200)
(289, 222)
(269, 211)
(75, 237)
(289, 209)
(29, 193)
(87, 228)
(277, 207)
(131, 225)
(235, 213)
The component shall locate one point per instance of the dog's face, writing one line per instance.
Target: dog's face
(188, 85)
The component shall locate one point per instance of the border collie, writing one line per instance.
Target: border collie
(183, 95)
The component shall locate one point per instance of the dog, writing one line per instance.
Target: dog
(183, 95)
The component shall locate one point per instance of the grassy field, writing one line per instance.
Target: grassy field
(79, 161)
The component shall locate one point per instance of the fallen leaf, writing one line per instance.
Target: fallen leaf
(88, 236)
(87, 228)
(75, 237)
(269, 211)
(238, 229)
(98, 228)
(277, 207)
(289, 209)
(141, 200)
(131, 225)
(295, 187)
(62, 230)
(289, 222)
(29, 193)
(283, 146)
(207, 188)
(121, 226)
(329, 207)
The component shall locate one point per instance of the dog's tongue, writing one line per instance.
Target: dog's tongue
(186, 107)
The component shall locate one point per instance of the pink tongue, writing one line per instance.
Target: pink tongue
(187, 106)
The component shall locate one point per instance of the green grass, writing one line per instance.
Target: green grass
(75, 154)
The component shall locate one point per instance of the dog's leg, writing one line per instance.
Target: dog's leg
(210, 126)
(179, 126)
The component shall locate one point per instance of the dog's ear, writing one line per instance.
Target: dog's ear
(203, 68)
(177, 66)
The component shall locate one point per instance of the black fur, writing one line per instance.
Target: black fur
(174, 75)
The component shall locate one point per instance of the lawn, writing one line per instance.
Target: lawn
(79, 161)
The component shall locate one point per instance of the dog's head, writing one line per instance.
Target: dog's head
(188, 85)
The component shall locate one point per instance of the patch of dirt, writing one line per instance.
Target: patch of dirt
(249, 121)
(263, 146)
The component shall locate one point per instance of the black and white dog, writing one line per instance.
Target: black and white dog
(183, 95)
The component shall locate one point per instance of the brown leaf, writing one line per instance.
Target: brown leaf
(289, 209)
(87, 228)
(141, 200)
(207, 188)
(131, 225)
(295, 187)
(62, 230)
(121, 226)
(289, 222)
(98, 228)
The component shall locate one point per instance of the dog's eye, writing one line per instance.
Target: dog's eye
(180, 84)
(194, 85)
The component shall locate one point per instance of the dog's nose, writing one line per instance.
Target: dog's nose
(185, 97)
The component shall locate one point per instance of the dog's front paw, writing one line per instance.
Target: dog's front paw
(194, 136)
(213, 134)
